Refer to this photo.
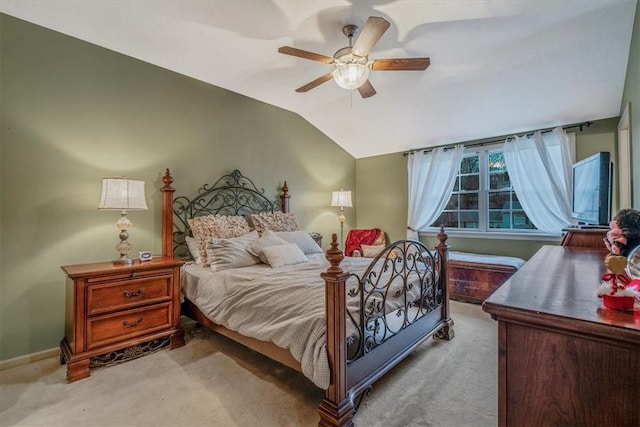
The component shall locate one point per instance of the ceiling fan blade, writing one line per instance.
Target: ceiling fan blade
(416, 64)
(287, 50)
(366, 90)
(316, 82)
(373, 29)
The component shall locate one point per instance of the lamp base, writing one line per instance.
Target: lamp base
(123, 260)
(123, 247)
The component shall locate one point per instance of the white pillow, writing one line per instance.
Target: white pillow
(194, 249)
(267, 239)
(371, 251)
(303, 239)
(281, 255)
(223, 254)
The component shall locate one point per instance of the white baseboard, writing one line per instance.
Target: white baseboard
(28, 358)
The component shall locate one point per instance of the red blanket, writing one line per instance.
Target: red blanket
(361, 236)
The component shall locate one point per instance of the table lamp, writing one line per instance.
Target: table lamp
(123, 194)
(341, 199)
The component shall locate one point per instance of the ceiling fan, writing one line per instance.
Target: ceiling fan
(352, 65)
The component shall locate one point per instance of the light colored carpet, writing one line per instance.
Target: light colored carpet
(215, 382)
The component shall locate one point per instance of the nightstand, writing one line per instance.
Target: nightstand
(115, 313)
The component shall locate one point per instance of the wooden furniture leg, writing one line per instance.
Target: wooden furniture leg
(77, 370)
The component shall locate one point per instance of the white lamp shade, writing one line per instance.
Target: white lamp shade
(341, 198)
(122, 193)
(351, 76)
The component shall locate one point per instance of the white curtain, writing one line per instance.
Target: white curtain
(431, 179)
(540, 171)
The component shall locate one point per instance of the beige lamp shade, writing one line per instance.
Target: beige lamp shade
(341, 198)
(122, 194)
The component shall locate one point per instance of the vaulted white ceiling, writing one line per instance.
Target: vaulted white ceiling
(497, 67)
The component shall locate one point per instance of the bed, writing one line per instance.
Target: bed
(362, 316)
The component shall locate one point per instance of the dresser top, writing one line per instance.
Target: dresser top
(106, 267)
(557, 288)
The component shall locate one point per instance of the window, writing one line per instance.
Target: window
(483, 198)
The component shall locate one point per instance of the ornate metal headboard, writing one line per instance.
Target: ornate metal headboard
(232, 194)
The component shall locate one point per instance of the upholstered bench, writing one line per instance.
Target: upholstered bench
(473, 277)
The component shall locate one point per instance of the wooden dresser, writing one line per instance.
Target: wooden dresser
(115, 312)
(564, 359)
(584, 237)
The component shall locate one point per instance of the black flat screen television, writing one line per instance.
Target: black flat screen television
(591, 198)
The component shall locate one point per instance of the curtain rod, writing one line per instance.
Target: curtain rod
(509, 138)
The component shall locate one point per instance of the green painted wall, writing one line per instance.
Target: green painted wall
(632, 95)
(381, 186)
(73, 113)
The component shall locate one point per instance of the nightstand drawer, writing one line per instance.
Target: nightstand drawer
(128, 293)
(128, 275)
(107, 329)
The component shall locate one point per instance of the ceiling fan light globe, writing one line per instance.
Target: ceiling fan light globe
(351, 75)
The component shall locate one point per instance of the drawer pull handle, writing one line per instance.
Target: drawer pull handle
(134, 273)
(128, 294)
(132, 324)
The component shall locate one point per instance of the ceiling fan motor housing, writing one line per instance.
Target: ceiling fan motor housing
(350, 30)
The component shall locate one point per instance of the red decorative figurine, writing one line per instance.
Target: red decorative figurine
(618, 291)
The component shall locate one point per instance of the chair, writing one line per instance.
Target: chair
(366, 242)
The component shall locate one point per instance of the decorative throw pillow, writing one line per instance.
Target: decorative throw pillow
(203, 228)
(275, 221)
(194, 249)
(281, 255)
(268, 238)
(223, 254)
(303, 239)
(371, 251)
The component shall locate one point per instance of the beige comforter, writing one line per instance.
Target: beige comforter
(283, 305)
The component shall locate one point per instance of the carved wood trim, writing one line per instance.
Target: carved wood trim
(337, 407)
(167, 214)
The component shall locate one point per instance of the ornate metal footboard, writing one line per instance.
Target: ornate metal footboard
(375, 320)
(397, 289)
